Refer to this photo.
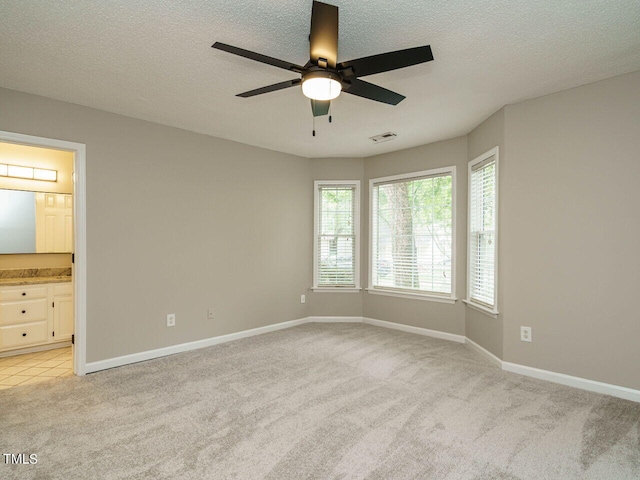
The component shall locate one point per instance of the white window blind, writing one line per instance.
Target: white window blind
(336, 243)
(412, 233)
(482, 230)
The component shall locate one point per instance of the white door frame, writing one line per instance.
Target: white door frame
(80, 235)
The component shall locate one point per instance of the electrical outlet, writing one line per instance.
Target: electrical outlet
(171, 320)
(210, 315)
(525, 334)
(303, 298)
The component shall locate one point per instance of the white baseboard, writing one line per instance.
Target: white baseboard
(185, 347)
(484, 352)
(561, 378)
(335, 319)
(577, 382)
(207, 342)
(418, 330)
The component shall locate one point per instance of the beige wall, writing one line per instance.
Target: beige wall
(420, 313)
(178, 222)
(487, 331)
(571, 230)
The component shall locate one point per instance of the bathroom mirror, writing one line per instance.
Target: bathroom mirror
(35, 222)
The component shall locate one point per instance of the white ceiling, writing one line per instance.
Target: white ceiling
(152, 59)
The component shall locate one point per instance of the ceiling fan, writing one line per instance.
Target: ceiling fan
(322, 77)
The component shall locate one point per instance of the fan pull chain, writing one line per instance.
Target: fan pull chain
(314, 126)
(330, 112)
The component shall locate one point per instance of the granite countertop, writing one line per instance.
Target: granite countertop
(34, 276)
(6, 282)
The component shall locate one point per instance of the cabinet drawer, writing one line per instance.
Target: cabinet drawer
(62, 289)
(23, 335)
(23, 293)
(23, 312)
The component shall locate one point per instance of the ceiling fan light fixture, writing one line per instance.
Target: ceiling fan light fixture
(321, 85)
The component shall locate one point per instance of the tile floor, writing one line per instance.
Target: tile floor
(35, 367)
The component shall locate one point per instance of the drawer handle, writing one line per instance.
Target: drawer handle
(24, 334)
(24, 311)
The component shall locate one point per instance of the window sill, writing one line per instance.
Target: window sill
(336, 289)
(416, 296)
(482, 309)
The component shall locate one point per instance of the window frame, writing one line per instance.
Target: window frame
(317, 184)
(397, 292)
(491, 311)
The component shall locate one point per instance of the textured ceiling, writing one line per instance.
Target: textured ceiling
(152, 59)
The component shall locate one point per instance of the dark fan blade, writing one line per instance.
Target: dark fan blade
(384, 62)
(323, 40)
(270, 88)
(320, 107)
(258, 57)
(373, 92)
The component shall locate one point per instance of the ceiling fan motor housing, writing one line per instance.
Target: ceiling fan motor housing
(319, 72)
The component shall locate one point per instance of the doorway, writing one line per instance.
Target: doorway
(78, 152)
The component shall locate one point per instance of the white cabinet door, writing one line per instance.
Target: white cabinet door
(62, 317)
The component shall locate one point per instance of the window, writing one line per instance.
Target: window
(412, 235)
(482, 232)
(337, 235)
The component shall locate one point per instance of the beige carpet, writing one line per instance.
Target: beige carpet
(337, 401)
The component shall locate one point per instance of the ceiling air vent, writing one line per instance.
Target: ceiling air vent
(383, 137)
